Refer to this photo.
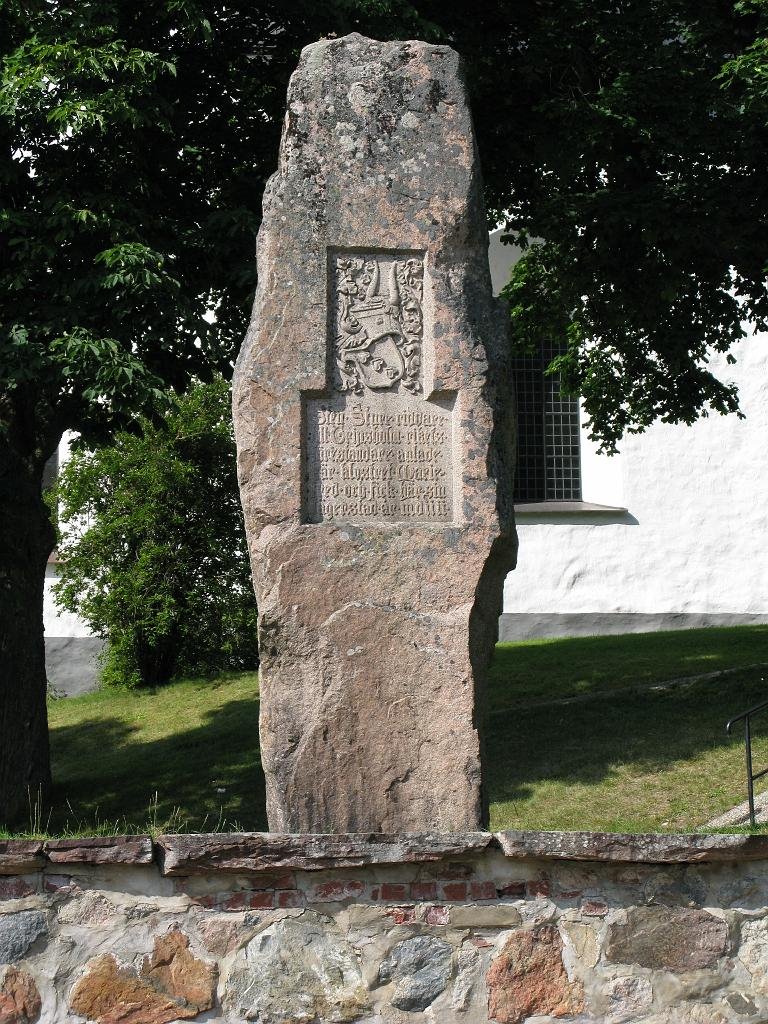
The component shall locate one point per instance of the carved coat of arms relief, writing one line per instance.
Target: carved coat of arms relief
(379, 322)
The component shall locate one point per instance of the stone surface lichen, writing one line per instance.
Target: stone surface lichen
(373, 416)
(298, 969)
(420, 968)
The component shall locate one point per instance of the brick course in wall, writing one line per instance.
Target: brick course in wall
(509, 927)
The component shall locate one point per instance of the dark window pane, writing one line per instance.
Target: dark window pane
(530, 476)
(548, 455)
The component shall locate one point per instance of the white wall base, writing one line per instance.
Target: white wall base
(71, 663)
(543, 625)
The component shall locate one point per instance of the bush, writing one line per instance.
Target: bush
(152, 546)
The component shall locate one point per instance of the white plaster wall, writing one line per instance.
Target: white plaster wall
(694, 538)
(58, 623)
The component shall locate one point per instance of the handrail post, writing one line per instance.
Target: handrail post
(747, 716)
(750, 782)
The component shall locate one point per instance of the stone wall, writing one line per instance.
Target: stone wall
(510, 927)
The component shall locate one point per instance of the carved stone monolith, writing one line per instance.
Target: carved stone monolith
(373, 419)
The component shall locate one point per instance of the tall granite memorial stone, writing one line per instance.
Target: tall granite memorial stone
(373, 421)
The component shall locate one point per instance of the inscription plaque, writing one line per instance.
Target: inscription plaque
(375, 448)
(379, 457)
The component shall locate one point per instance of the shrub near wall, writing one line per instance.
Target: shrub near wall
(152, 545)
(512, 927)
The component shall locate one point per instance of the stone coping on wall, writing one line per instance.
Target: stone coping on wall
(254, 852)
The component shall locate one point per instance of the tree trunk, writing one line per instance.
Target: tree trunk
(27, 538)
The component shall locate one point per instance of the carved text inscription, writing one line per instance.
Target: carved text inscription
(383, 457)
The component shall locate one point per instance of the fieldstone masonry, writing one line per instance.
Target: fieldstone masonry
(511, 928)
(373, 418)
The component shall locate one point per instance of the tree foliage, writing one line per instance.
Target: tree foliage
(623, 141)
(629, 136)
(153, 550)
(136, 142)
(624, 152)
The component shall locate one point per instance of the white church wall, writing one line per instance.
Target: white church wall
(58, 622)
(689, 549)
(71, 650)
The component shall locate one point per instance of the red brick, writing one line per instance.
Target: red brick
(59, 883)
(454, 891)
(328, 891)
(594, 908)
(483, 890)
(539, 888)
(234, 902)
(14, 888)
(571, 894)
(394, 891)
(262, 900)
(290, 898)
(437, 915)
(402, 915)
(375, 893)
(332, 892)
(206, 901)
(514, 889)
(423, 890)
(246, 899)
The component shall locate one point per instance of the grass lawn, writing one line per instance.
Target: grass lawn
(628, 759)
(186, 757)
(546, 669)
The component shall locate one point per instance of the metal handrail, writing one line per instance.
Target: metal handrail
(752, 777)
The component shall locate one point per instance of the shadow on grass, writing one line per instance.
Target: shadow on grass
(206, 778)
(637, 760)
(548, 669)
(633, 760)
